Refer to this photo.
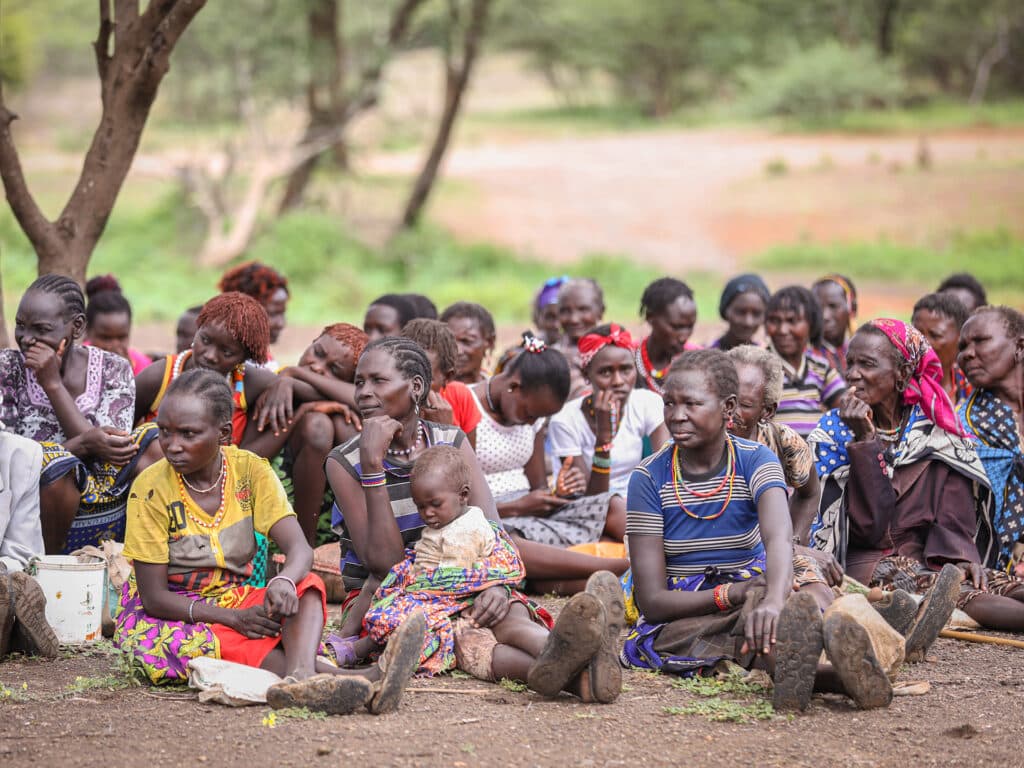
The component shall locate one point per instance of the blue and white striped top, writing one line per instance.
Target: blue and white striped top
(729, 542)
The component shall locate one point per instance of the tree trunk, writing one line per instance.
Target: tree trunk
(457, 76)
(325, 94)
(886, 24)
(1000, 48)
(130, 75)
(5, 340)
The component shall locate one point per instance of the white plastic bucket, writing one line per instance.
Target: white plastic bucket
(74, 588)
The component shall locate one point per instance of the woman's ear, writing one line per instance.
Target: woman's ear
(768, 411)
(729, 406)
(416, 389)
(903, 374)
(225, 433)
(78, 326)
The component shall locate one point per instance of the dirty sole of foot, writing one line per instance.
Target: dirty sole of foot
(936, 608)
(333, 694)
(401, 658)
(604, 668)
(575, 638)
(849, 648)
(797, 650)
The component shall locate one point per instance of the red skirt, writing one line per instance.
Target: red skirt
(240, 649)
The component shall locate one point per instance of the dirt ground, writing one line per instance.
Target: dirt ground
(76, 711)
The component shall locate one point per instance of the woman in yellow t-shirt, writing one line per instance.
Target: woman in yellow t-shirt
(192, 519)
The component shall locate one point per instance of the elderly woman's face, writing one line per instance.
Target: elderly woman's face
(987, 353)
(381, 389)
(750, 409)
(871, 368)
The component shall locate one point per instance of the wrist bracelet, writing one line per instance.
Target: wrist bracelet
(604, 462)
(603, 448)
(373, 479)
(598, 470)
(279, 577)
(721, 595)
(191, 605)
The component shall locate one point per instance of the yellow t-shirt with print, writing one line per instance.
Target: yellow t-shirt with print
(166, 526)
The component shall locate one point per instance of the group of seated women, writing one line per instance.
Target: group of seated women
(755, 483)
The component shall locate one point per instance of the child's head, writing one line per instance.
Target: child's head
(194, 419)
(185, 330)
(231, 329)
(439, 343)
(108, 316)
(440, 485)
(335, 352)
(793, 321)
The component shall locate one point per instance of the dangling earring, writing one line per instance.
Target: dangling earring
(730, 424)
(415, 405)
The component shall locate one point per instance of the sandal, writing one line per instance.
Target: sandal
(849, 649)
(936, 608)
(333, 694)
(572, 643)
(30, 610)
(343, 649)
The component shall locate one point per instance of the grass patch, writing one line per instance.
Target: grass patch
(725, 710)
(300, 713)
(993, 257)
(513, 685)
(730, 697)
(112, 682)
(18, 693)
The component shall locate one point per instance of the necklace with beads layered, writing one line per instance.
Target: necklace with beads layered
(652, 376)
(729, 476)
(407, 452)
(213, 524)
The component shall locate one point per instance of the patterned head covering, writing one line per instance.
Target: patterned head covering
(925, 385)
(548, 293)
(748, 283)
(592, 343)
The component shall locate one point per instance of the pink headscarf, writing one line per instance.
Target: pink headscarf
(925, 385)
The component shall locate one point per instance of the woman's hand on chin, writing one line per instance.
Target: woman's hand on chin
(856, 414)
(378, 432)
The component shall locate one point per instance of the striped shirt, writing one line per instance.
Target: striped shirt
(397, 471)
(729, 542)
(805, 393)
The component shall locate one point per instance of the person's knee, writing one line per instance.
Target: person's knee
(316, 430)
(61, 497)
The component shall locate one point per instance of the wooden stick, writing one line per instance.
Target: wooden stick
(456, 691)
(971, 637)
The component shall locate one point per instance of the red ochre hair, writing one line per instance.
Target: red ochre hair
(352, 337)
(244, 318)
(253, 279)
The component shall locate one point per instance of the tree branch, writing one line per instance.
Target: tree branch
(37, 227)
(102, 47)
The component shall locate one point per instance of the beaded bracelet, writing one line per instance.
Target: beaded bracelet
(600, 470)
(373, 480)
(721, 595)
(604, 462)
(603, 448)
(280, 577)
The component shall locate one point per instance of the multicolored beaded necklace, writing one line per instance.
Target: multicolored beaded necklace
(407, 452)
(728, 477)
(653, 377)
(209, 525)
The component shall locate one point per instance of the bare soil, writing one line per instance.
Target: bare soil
(973, 715)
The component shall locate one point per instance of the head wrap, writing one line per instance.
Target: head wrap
(748, 283)
(548, 293)
(925, 385)
(592, 343)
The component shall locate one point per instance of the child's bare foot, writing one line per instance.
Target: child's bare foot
(604, 670)
(398, 663)
(573, 641)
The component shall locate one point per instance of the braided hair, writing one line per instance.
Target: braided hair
(714, 364)
(244, 318)
(254, 279)
(352, 337)
(434, 336)
(208, 386)
(65, 289)
(410, 359)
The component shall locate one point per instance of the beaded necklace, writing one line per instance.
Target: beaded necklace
(209, 525)
(653, 377)
(728, 477)
(408, 451)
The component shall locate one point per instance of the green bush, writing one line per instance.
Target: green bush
(818, 84)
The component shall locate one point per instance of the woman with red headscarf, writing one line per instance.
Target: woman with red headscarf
(602, 434)
(903, 489)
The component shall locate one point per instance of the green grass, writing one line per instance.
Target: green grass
(731, 697)
(995, 258)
